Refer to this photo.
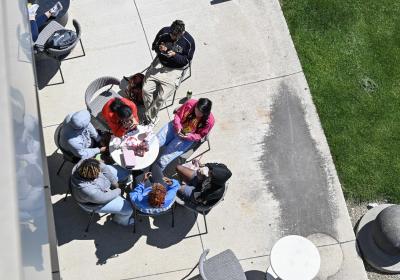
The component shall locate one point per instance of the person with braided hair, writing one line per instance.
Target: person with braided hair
(96, 184)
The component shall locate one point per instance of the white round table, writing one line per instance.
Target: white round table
(141, 162)
(294, 257)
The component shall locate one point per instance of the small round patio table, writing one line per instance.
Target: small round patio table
(294, 257)
(140, 162)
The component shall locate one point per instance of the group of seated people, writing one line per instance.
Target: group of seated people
(95, 181)
(100, 185)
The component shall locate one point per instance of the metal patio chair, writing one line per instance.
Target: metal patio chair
(137, 212)
(95, 99)
(199, 208)
(67, 156)
(57, 54)
(224, 266)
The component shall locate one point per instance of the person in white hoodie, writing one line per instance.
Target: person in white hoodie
(79, 137)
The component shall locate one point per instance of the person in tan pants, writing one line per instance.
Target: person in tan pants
(175, 48)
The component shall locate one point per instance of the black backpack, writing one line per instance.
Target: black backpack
(61, 39)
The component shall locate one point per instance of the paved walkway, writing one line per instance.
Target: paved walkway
(267, 132)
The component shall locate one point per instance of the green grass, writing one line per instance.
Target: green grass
(339, 44)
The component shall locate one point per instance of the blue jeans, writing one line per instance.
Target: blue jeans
(36, 25)
(121, 173)
(174, 145)
(119, 206)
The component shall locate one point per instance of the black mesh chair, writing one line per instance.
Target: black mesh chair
(57, 54)
(89, 208)
(137, 213)
(67, 156)
(199, 208)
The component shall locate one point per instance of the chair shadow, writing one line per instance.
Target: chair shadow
(111, 239)
(58, 183)
(214, 2)
(46, 68)
(255, 275)
(250, 275)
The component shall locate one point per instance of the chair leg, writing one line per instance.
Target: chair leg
(62, 76)
(66, 194)
(59, 169)
(205, 222)
(90, 220)
(173, 215)
(134, 221)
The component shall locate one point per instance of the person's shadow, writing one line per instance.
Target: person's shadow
(111, 239)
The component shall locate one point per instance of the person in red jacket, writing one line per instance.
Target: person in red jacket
(120, 115)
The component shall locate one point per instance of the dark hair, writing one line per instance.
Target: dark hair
(122, 110)
(204, 105)
(157, 195)
(177, 27)
(89, 169)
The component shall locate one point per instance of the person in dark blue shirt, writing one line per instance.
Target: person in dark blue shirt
(175, 48)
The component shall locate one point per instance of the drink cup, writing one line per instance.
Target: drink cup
(116, 142)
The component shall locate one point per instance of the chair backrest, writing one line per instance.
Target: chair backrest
(46, 33)
(202, 261)
(140, 213)
(66, 154)
(204, 209)
(66, 51)
(224, 266)
(96, 85)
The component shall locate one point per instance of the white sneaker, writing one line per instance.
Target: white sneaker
(57, 8)
(32, 9)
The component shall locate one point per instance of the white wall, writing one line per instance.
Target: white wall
(26, 216)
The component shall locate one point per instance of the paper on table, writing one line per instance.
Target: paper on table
(129, 157)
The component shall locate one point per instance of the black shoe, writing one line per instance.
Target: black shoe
(145, 122)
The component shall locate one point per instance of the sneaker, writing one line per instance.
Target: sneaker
(57, 8)
(32, 9)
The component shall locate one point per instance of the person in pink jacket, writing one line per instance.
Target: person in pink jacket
(192, 121)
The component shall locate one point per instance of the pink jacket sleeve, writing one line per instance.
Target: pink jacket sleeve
(181, 112)
(202, 132)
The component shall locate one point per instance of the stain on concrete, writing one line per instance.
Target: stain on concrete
(294, 170)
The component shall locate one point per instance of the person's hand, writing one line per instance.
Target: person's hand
(182, 135)
(147, 175)
(168, 181)
(196, 162)
(105, 139)
(171, 54)
(103, 149)
(134, 123)
(162, 47)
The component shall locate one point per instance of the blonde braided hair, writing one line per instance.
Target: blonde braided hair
(89, 169)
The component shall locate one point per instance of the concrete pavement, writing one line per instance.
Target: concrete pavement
(267, 132)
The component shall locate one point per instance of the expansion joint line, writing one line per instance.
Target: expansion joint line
(144, 31)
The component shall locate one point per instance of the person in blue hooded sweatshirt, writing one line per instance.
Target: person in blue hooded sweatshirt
(155, 193)
(78, 136)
